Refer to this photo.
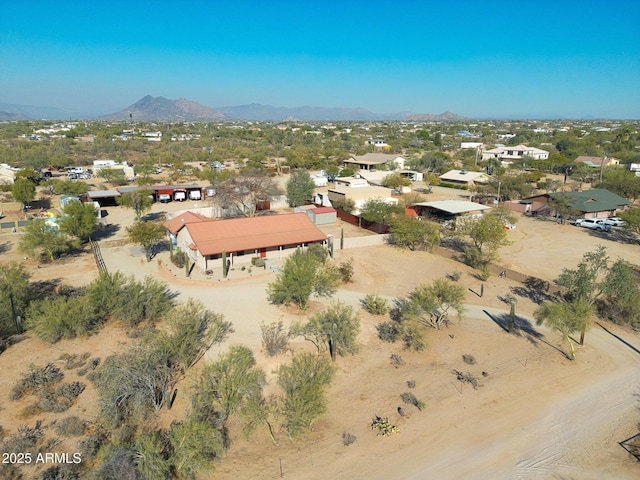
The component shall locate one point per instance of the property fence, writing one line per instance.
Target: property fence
(362, 223)
(97, 254)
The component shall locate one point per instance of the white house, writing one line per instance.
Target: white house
(320, 180)
(515, 153)
(113, 165)
(351, 182)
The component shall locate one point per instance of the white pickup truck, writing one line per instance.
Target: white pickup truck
(594, 224)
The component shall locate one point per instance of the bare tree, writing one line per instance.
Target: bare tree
(241, 194)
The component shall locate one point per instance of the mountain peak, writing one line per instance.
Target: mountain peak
(150, 108)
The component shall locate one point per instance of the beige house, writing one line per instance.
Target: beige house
(375, 161)
(464, 177)
(360, 195)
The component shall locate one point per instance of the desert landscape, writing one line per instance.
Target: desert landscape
(534, 413)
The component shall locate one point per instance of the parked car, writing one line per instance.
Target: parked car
(164, 198)
(614, 222)
(593, 224)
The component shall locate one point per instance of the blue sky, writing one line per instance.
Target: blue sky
(474, 58)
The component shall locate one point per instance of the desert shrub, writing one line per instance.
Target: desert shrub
(484, 273)
(348, 439)
(346, 270)
(388, 331)
(59, 317)
(375, 304)
(467, 378)
(179, 259)
(90, 446)
(469, 359)
(25, 439)
(396, 360)
(411, 383)
(36, 380)
(60, 399)
(383, 426)
(72, 426)
(455, 275)
(60, 472)
(119, 464)
(74, 360)
(410, 398)
(275, 338)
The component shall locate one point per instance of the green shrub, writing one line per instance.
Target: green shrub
(375, 304)
(388, 331)
(346, 270)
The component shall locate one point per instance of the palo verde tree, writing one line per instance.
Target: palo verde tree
(335, 330)
(147, 235)
(229, 382)
(407, 232)
(304, 382)
(140, 201)
(631, 218)
(303, 274)
(487, 234)
(78, 220)
(621, 294)
(241, 193)
(23, 191)
(300, 188)
(15, 294)
(567, 317)
(378, 210)
(584, 282)
(42, 239)
(431, 304)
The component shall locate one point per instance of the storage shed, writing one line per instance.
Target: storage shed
(322, 215)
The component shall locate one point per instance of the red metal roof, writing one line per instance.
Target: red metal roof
(320, 210)
(253, 233)
(176, 223)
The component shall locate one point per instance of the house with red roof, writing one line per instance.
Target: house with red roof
(264, 236)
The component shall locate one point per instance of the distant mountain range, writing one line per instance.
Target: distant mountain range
(151, 108)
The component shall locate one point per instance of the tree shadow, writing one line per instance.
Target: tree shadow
(45, 288)
(5, 247)
(522, 328)
(154, 217)
(616, 234)
(106, 231)
(535, 290)
(635, 349)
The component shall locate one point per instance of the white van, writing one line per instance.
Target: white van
(195, 195)
(180, 196)
(164, 198)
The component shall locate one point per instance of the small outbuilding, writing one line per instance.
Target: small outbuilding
(322, 215)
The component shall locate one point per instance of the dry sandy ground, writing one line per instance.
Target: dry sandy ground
(534, 415)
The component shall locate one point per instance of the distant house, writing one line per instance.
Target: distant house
(265, 236)
(471, 145)
(464, 177)
(377, 143)
(7, 174)
(445, 209)
(113, 165)
(515, 153)
(361, 195)
(594, 203)
(635, 168)
(597, 161)
(351, 182)
(373, 161)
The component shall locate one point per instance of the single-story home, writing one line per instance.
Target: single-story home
(464, 177)
(594, 203)
(597, 161)
(361, 195)
(373, 161)
(445, 209)
(264, 236)
(351, 182)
